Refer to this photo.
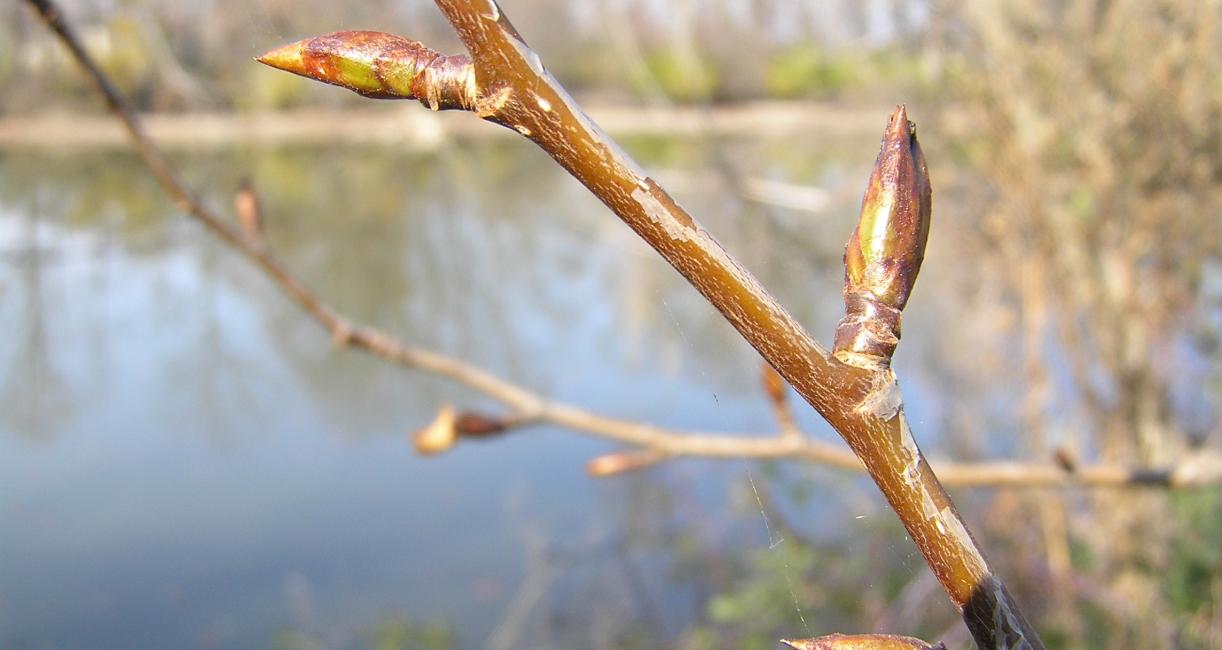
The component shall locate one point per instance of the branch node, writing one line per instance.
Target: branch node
(884, 400)
(342, 333)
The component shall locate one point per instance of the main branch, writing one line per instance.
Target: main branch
(864, 406)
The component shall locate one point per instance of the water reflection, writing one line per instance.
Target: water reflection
(188, 462)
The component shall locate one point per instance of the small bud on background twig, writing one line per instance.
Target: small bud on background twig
(478, 425)
(884, 254)
(440, 435)
(774, 387)
(861, 642)
(250, 212)
(382, 66)
(449, 425)
(622, 462)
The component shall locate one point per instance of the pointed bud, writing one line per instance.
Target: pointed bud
(884, 254)
(379, 65)
(861, 642)
(622, 462)
(250, 214)
(438, 436)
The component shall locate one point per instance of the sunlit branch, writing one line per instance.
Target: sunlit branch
(505, 82)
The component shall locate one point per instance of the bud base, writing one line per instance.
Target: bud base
(869, 332)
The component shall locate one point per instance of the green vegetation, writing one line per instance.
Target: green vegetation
(683, 78)
(1191, 581)
(806, 70)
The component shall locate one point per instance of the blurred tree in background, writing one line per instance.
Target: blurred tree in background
(1090, 134)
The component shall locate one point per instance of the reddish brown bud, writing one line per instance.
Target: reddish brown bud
(438, 436)
(250, 214)
(622, 462)
(861, 642)
(383, 66)
(470, 423)
(884, 254)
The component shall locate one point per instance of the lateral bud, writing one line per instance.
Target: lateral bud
(382, 66)
(473, 424)
(884, 254)
(250, 214)
(440, 435)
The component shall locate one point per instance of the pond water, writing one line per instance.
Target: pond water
(187, 461)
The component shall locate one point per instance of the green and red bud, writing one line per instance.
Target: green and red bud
(884, 254)
(382, 66)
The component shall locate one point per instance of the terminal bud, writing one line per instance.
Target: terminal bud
(884, 254)
(382, 66)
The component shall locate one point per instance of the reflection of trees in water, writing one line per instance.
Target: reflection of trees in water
(1081, 290)
(36, 398)
(226, 383)
(502, 275)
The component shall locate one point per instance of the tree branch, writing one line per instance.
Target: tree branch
(506, 83)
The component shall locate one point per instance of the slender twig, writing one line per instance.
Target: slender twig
(774, 388)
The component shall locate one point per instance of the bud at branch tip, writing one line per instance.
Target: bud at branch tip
(884, 253)
(382, 66)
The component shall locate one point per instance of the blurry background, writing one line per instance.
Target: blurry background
(186, 461)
